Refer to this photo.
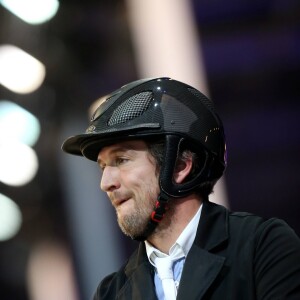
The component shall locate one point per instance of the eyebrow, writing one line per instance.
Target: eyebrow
(118, 149)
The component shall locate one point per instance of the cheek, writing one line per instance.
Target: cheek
(140, 178)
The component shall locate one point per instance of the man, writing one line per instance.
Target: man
(161, 147)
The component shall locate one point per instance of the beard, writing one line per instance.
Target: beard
(135, 223)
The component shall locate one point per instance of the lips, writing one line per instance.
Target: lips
(117, 198)
(118, 202)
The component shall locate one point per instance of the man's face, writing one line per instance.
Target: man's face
(130, 181)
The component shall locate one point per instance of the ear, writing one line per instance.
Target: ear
(182, 169)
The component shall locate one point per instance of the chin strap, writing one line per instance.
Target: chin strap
(168, 188)
(157, 215)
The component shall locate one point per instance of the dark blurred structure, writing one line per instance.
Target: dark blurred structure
(252, 58)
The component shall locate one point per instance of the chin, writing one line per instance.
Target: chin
(131, 228)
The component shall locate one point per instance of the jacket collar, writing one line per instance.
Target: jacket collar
(139, 273)
(213, 226)
(201, 266)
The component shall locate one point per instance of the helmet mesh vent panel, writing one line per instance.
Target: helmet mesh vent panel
(208, 103)
(131, 108)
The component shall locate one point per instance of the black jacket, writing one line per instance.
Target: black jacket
(235, 256)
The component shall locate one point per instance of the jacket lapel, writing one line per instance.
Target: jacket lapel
(202, 266)
(140, 283)
(200, 270)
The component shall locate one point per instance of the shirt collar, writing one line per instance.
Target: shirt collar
(182, 245)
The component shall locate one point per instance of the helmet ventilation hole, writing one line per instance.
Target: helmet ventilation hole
(131, 108)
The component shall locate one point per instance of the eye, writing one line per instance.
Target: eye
(121, 160)
(102, 167)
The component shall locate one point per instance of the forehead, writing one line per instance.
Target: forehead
(135, 145)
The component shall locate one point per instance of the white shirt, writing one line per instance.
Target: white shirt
(180, 249)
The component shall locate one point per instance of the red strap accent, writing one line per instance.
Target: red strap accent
(158, 214)
(155, 217)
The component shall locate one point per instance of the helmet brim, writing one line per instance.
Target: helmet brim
(89, 144)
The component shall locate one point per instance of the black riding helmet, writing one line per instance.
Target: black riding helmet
(162, 108)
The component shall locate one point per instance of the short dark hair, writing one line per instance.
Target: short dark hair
(156, 149)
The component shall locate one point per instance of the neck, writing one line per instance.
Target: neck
(175, 220)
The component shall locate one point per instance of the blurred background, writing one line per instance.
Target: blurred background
(58, 234)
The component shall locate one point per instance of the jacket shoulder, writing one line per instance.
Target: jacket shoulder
(110, 285)
(259, 225)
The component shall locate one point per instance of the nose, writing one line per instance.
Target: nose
(109, 180)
